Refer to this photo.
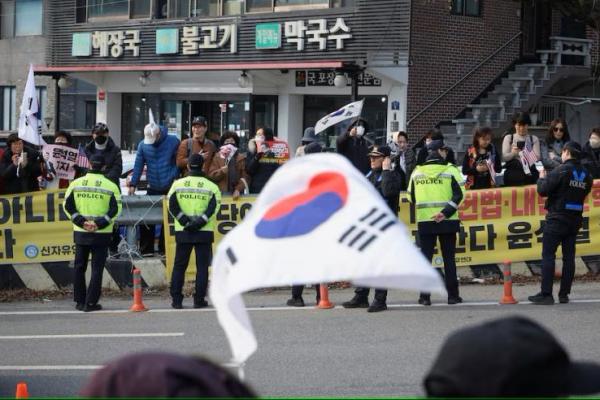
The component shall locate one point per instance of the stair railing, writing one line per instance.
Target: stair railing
(465, 77)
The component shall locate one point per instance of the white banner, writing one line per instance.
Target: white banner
(61, 160)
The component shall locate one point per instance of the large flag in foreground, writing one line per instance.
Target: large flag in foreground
(317, 220)
(30, 127)
(352, 110)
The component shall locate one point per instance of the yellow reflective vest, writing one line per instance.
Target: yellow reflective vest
(431, 187)
(92, 194)
(193, 194)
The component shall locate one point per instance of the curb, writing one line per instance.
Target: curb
(117, 274)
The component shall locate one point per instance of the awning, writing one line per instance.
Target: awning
(42, 69)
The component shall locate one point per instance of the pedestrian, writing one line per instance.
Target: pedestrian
(520, 152)
(194, 202)
(297, 300)
(92, 202)
(566, 188)
(403, 157)
(591, 153)
(197, 144)
(436, 189)
(309, 137)
(228, 169)
(164, 375)
(157, 152)
(353, 145)
(20, 166)
(266, 155)
(551, 148)
(434, 134)
(481, 162)
(388, 183)
(508, 357)
(102, 144)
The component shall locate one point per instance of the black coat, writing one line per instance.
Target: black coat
(356, 150)
(389, 185)
(113, 161)
(564, 186)
(591, 160)
(27, 180)
(260, 172)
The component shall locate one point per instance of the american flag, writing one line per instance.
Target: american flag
(529, 154)
(82, 160)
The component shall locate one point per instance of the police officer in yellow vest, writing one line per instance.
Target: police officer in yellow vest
(436, 189)
(92, 202)
(194, 202)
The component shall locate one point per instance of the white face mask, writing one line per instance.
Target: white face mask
(595, 143)
(360, 130)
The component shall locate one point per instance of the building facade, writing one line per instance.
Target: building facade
(241, 64)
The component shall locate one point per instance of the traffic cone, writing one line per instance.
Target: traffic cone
(507, 298)
(22, 392)
(138, 305)
(324, 302)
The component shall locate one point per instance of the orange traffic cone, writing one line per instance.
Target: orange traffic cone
(507, 298)
(324, 302)
(138, 305)
(22, 392)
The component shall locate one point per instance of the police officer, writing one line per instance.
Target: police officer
(566, 188)
(194, 202)
(388, 183)
(436, 189)
(92, 202)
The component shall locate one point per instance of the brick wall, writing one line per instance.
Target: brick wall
(444, 47)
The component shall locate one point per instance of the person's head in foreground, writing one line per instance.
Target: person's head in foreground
(511, 356)
(163, 375)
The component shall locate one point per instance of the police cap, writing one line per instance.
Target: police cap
(195, 162)
(97, 161)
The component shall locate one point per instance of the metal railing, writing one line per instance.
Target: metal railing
(464, 78)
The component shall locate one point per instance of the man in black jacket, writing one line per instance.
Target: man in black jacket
(566, 187)
(353, 145)
(388, 183)
(103, 145)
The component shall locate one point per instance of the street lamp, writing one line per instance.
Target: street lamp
(64, 82)
(244, 80)
(340, 80)
(145, 78)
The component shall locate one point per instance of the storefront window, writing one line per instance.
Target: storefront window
(205, 8)
(374, 112)
(140, 8)
(179, 8)
(259, 5)
(78, 106)
(233, 7)
(283, 5)
(114, 9)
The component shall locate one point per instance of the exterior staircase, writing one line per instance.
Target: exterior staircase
(522, 89)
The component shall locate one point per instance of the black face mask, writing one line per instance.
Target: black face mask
(101, 139)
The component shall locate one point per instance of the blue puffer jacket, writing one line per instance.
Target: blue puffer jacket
(160, 161)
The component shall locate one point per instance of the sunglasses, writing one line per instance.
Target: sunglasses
(557, 129)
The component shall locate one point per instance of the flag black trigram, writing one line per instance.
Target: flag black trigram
(368, 228)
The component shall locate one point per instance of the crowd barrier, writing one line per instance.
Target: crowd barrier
(497, 224)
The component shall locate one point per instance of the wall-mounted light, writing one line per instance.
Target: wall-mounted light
(340, 81)
(64, 82)
(244, 80)
(145, 78)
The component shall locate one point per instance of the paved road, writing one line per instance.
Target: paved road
(302, 352)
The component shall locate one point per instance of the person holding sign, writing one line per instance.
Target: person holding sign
(566, 187)
(92, 202)
(266, 155)
(193, 202)
(436, 189)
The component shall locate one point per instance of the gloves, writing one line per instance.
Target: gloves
(184, 220)
(101, 223)
(79, 221)
(195, 225)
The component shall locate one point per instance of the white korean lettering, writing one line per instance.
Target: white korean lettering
(340, 26)
(294, 33)
(318, 34)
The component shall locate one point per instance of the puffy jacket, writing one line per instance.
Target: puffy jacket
(113, 162)
(160, 160)
(389, 185)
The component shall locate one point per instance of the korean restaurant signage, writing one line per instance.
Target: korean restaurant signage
(197, 39)
(327, 77)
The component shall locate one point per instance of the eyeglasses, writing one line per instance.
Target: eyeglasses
(557, 129)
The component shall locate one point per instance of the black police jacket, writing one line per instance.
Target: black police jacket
(566, 188)
(389, 185)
